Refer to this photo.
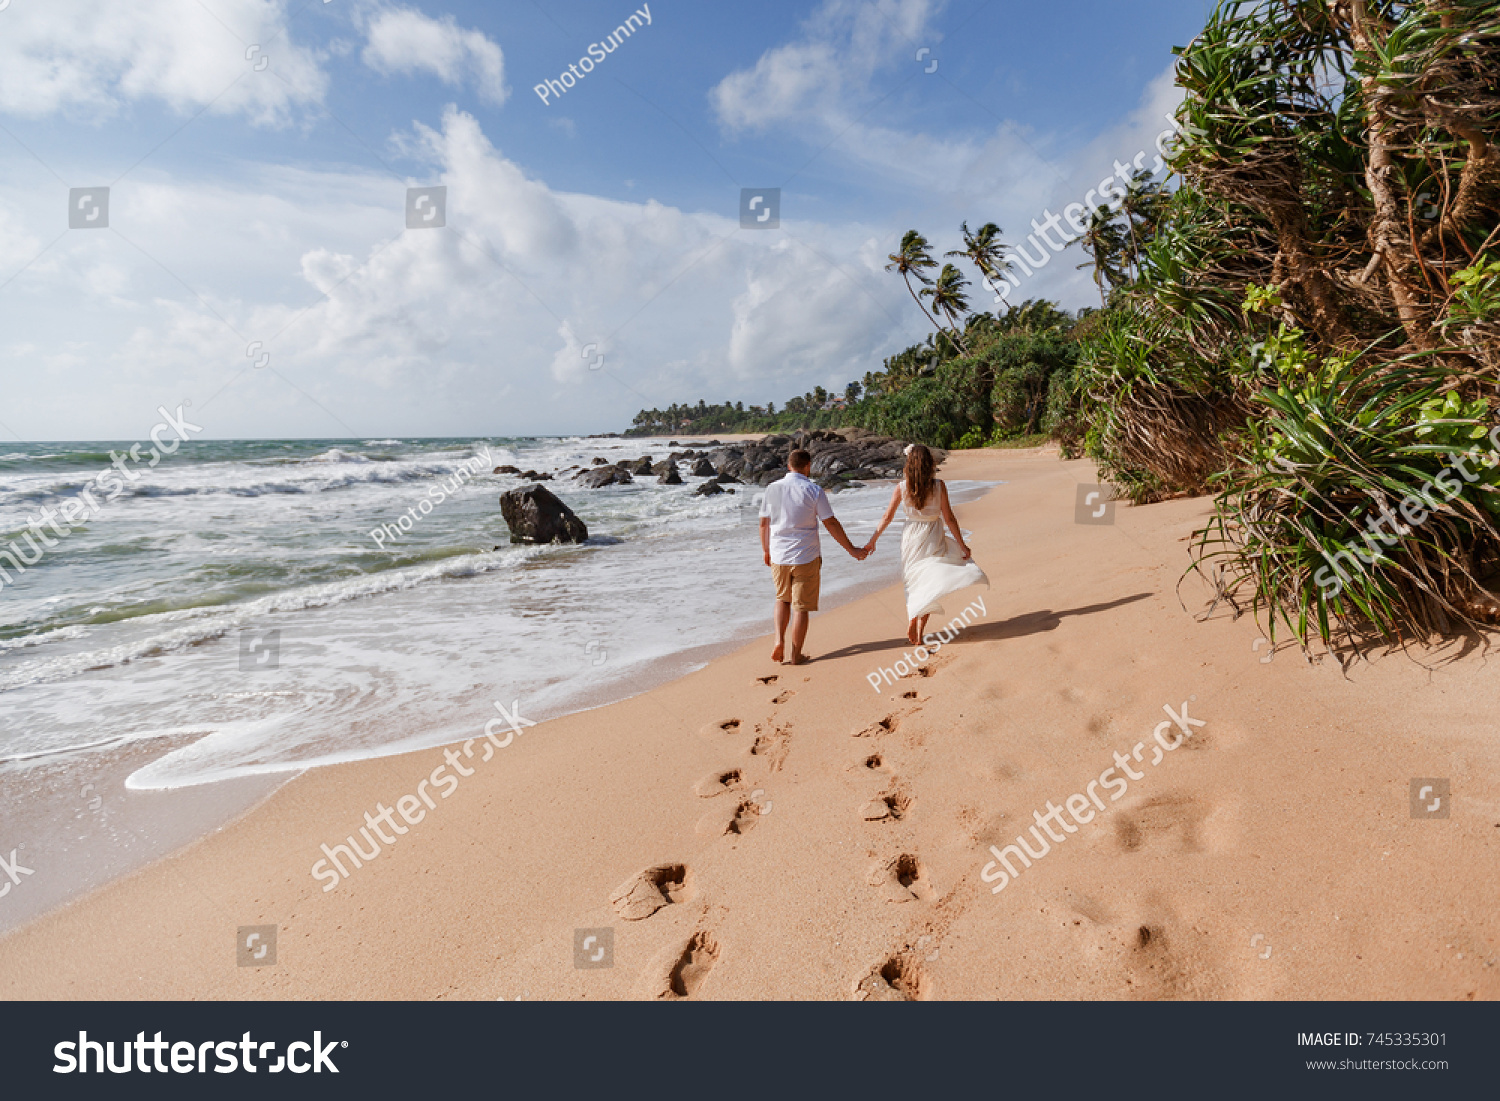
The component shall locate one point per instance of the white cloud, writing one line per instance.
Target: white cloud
(90, 57)
(828, 67)
(403, 40)
(476, 328)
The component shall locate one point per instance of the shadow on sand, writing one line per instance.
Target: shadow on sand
(1032, 623)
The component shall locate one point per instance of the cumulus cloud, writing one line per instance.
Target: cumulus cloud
(477, 327)
(89, 58)
(403, 40)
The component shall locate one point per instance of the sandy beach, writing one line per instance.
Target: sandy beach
(754, 831)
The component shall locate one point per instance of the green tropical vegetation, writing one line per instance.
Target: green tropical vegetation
(1303, 321)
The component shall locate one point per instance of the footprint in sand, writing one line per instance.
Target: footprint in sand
(896, 980)
(884, 726)
(909, 695)
(690, 968)
(1171, 822)
(718, 782)
(874, 762)
(649, 890)
(772, 679)
(773, 746)
(903, 879)
(715, 731)
(783, 697)
(746, 817)
(890, 807)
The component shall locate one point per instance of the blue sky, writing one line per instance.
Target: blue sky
(260, 201)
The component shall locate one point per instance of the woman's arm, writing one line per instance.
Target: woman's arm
(952, 521)
(885, 521)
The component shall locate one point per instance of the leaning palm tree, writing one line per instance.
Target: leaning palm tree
(1143, 205)
(948, 299)
(912, 260)
(1104, 241)
(985, 250)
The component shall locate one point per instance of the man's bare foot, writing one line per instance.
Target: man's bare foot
(778, 653)
(797, 659)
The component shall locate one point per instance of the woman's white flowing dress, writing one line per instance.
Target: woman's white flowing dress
(932, 566)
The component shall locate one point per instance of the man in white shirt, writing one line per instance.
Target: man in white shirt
(789, 516)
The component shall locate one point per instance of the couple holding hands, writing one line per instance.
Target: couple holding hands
(932, 565)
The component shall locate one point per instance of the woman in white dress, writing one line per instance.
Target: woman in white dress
(932, 565)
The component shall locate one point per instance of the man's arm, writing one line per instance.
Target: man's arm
(765, 538)
(836, 530)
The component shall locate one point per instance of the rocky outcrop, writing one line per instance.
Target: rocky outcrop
(709, 489)
(535, 515)
(670, 476)
(703, 468)
(506, 470)
(600, 476)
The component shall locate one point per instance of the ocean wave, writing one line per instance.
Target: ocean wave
(206, 623)
(41, 638)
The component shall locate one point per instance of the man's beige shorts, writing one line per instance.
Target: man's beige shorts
(798, 585)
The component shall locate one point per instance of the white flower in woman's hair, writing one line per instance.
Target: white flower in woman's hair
(909, 449)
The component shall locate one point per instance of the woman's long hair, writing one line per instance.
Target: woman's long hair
(920, 475)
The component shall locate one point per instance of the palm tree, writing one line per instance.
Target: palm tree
(912, 259)
(985, 251)
(1104, 241)
(1145, 199)
(948, 299)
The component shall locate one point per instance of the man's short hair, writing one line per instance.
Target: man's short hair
(799, 459)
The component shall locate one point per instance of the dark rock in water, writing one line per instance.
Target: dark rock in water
(533, 476)
(670, 477)
(663, 466)
(535, 515)
(708, 489)
(597, 461)
(641, 467)
(604, 476)
(703, 469)
(506, 470)
(727, 479)
(765, 478)
(673, 443)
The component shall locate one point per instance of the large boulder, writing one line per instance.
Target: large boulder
(601, 476)
(535, 515)
(506, 470)
(709, 488)
(640, 467)
(703, 469)
(670, 477)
